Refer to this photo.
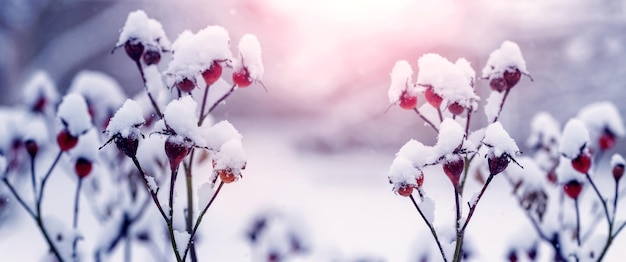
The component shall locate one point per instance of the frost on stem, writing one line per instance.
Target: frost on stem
(193, 54)
(102, 94)
(453, 82)
(504, 67)
(40, 93)
(124, 126)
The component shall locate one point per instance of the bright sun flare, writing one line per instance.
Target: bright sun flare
(342, 10)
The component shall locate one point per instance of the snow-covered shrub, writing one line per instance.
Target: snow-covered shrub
(157, 133)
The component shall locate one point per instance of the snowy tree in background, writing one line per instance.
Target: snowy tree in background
(159, 133)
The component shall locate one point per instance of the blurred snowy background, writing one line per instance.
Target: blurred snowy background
(320, 138)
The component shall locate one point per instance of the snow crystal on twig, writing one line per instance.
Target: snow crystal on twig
(400, 81)
(180, 116)
(499, 141)
(152, 184)
(574, 139)
(181, 238)
(195, 53)
(250, 56)
(74, 114)
(450, 81)
(139, 27)
(126, 120)
(507, 58)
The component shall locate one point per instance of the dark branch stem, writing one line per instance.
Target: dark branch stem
(200, 216)
(426, 120)
(153, 194)
(506, 94)
(577, 221)
(75, 219)
(473, 206)
(432, 229)
(232, 89)
(145, 85)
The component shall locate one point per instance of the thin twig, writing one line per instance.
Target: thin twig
(426, 120)
(431, 227)
(153, 194)
(75, 220)
(506, 94)
(473, 206)
(145, 85)
(232, 89)
(577, 221)
(200, 216)
(18, 198)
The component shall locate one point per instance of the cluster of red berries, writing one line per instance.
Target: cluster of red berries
(407, 189)
(509, 79)
(136, 50)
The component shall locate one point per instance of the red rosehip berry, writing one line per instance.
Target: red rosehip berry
(582, 163)
(512, 256)
(498, 84)
(128, 145)
(82, 167)
(573, 188)
(40, 105)
(512, 78)
(151, 57)
(405, 190)
(606, 141)
(433, 98)
(241, 78)
(453, 169)
(408, 101)
(66, 141)
(31, 147)
(456, 109)
(618, 171)
(498, 164)
(175, 152)
(551, 176)
(186, 85)
(226, 176)
(134, 49)
(212, 74)
(420, 180)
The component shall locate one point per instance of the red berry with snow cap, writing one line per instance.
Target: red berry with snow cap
(82, 167)
(175, 151)
(212, 74)
(433, 98)
(186, 85)
(498, 84)
(241, 78)
(551, 176)
(573, 188)
(408, 101)
(582, 163)
(405, 190)
(40, 105)
(66, 141)
(134, 49)
(128, 145)
(226, 175)
(420, 180)
(456, 109)
(453, 169)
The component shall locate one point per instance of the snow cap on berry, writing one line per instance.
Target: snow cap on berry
(127, 120)
(74, 114)
(566, 171)
(402, 173)
(195, 53)
(250, 57)
(180, 116)
(499, 141)
(617, 159)
(574, 138)
(40, 86)
(400, 81)
(601, 116)
(87, 147)
(450, 137)
(466, 67)
(450, 81)
(139, 27)
(220, 133)
(102, 93)
(544, 131)
(416, 152)
(36, 130)
(231, 156)
(507, 58)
